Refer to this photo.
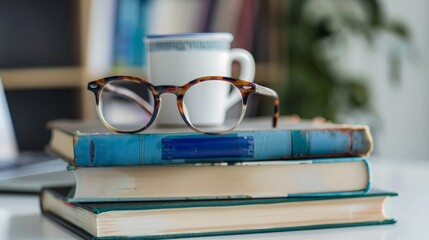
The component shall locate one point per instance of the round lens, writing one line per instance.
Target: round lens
(213, 106)
(126, 105)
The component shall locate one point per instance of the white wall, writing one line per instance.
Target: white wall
(403, 108)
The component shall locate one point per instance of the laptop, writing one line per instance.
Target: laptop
(26, 172)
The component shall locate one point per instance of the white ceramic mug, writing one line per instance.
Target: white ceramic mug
(177, 59)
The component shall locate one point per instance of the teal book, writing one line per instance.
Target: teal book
(312, 177)
(192, 218)
(89, 144)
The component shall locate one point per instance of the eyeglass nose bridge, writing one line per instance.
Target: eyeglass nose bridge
(173, 89)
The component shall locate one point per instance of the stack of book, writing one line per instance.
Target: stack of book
(165, 183)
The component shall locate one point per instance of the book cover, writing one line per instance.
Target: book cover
(221, 217)
(316, 177)
(88, 144)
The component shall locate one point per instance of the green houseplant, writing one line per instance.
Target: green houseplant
(314, 86)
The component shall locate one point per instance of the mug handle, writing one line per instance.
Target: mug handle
(247, 71)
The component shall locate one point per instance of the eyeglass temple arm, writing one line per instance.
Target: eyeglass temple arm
(133, 96)
(271, 93)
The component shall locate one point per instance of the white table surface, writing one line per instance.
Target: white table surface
(20, 216)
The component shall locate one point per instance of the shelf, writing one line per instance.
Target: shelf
(49, 77)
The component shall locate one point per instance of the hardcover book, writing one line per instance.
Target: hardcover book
(317, 177)
(190, 218)
(88, 144)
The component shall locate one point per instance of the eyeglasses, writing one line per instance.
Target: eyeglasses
(127, 104)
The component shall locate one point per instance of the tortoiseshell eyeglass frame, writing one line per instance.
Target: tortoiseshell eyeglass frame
(246, 89)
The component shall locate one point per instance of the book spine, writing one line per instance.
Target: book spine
(96, 150)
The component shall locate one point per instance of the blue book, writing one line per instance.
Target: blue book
(89, 144)
(126, 31)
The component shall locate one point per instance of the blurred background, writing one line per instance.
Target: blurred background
(349, 61)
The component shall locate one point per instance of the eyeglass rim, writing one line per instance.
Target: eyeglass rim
(246, 89)
(106, 123)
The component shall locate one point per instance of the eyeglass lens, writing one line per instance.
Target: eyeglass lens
(126, 105)
(206, 106)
